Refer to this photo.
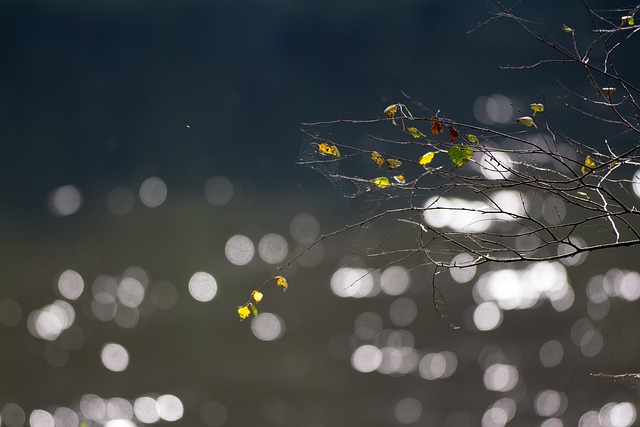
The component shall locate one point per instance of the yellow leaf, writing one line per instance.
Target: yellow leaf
(627, 20)
(382, 182)
(391, 110)
(472, 138)
(425, 159)
(415, 132)
(567, 29)
(399, 178)
(243, 312)
(377, 158)
(393, 163)
(527, 121)
(583, 194)
(537, 108)
(257, 296)
(282, 282)
(608, 90)
(588, 164)
(328, 150)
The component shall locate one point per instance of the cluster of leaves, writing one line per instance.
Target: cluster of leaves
(251, 306)
(528, 161)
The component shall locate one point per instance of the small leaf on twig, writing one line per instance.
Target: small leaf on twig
(608, 90)
(244, 312)
(415, 132)
(588, 164)
(537, 108)
(399, 179)
(436, 125)
(472, 138)
(425, 159)
(567, 29)
(627, 20)
(453, 133)
(328, 150)
(282, 282)
(527, 121)
(377, 158)
(257, 296)
(381, 182)
(393, 163)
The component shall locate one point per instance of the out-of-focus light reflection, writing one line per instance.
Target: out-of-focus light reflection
(457, 214)
(492, 109)
(550, 403)
(619, 414)
(10, 312)
(145, 410)
(70, 284)
(120, 200)
(119, 423)
(273, 248)
(304, 228)
(12, 415)
(521, 289)
(40, 418)
(367, 325)
(487, 316)
(554, 209)
(218, 190)
(310, 258)
(103, 306)
(500, 377)
(119, 409)
(169, 407)
(93, 407)
(551, 353)
(589, 340)
(65, 200)
(495, 417)
(366, 358)
(495, 165)
(635, 183)
(407, 410)
(164, 295)
(126, 317)
(130, 292)
(65, 417)
(114, 357)
(565, 249)
(434, 366)
(464, 272)
(403, 311)
(395, 280)
(203, 286)
(51, 320)
(354, 282)
(552, 422)
(214, 413)
(267, 326)
(153, 192)
(239, 250)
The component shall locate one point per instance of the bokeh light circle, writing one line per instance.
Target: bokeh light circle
(153, 192)
(114, 357)
(239, 250)
(65, 200)
(203, 286)
(267, 326)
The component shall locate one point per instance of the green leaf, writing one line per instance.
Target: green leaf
(460, 154)
(472, 138)
(415, 132)
(382, 182)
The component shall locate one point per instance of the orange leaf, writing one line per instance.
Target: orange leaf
(453, 133)
(436, 125)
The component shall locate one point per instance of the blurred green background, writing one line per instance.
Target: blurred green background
(149, 184)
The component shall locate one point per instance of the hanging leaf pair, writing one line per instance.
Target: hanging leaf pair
(589, 164)
(393, 109)
(379, 160)
(256, 296)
